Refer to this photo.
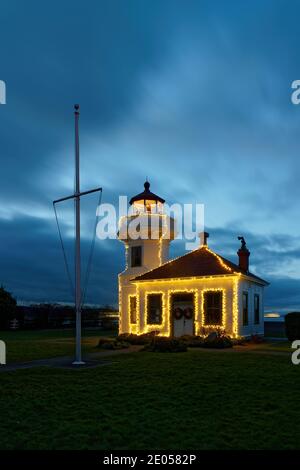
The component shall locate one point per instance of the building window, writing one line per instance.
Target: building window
(213, 308)
(256, 309)
(154, 309)
(132, 309)
(245, 309)
(136, 256)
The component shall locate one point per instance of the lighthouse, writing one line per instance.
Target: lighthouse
(194, 294)
(146, 232)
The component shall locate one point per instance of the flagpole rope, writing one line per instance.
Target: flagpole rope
(64, 253)
(90, 259)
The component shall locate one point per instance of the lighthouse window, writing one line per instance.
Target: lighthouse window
(256, 309)
(136, 256)
(245, 308)
(213, 308)
(154, 309)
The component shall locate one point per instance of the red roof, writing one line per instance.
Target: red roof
(198, 263)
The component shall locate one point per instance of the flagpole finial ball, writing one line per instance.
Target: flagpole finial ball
(76, 107)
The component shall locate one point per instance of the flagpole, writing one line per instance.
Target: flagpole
(78, 359)
(76, 196)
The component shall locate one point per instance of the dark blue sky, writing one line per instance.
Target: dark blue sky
(195, 95)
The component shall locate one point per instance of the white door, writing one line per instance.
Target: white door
(183, 315)
(188, 327)
(178, 327)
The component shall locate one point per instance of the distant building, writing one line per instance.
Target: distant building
(193, 294)
(63, 316)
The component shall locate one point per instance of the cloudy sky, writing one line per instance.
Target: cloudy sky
(194, 95)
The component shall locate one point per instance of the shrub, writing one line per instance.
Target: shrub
(207, 330)
(7, 308)
(193, 341)
(241, 341)
(106, 345)
(292, 325)
(137, 339)
(217, 341)
(121, 345)
(256, 339)
(112, 344)
(161, 344)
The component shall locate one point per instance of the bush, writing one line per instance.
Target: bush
(7, 308)
(292, 326)
(120, 345)
(207, 330)
(161, 344)
(112, 344)
(256, 339)
(193, 341)
(217, 341)
(137, 339)
(241, 341)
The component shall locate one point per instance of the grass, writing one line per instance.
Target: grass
(280, 346)
(193, 400)
(23, 346)
(275, 334)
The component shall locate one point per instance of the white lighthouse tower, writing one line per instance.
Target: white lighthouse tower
(146, 232)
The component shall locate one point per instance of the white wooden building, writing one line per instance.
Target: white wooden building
(194, 294)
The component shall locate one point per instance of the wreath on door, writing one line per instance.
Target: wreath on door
(178, 313)
(188, 313)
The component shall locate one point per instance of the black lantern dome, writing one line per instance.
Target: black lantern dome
(146, 197)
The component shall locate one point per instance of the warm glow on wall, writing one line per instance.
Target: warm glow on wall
(120, 306)
(198, 286)
(126, 256)
(132, 326)
(160, 251)
(235, 306)
(165, 327)
(138, 313)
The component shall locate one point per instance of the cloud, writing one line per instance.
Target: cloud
(196, 98)
(32, 265)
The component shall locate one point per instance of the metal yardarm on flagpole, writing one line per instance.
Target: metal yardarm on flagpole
(76, 197)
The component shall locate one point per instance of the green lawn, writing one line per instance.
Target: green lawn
(193, 400)
(25, 346)
(276, 334)
(280, 346)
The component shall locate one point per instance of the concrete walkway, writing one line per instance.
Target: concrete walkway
(99, 358)
(65, 362)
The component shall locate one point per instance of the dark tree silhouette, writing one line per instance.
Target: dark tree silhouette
(7, 308)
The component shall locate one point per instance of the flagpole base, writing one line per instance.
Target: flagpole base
(78, 363)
